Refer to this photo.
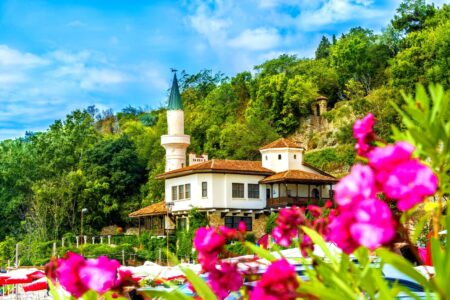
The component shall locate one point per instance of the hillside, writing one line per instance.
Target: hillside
(107, 162)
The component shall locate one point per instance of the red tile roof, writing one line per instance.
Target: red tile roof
(299, 176)
(151, 210)
(281, 143)
(220, 166)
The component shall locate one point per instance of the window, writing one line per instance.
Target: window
(266, 157)
(295, 156)
(238, 190)
(181, 192)
(204, 189)
(279, 156)
(181, 223)
(233, 222)
(188, 191)
(174, 193)
(253, 190)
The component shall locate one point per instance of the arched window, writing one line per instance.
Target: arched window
(279, 156)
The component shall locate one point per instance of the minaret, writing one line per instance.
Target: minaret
(175, 142)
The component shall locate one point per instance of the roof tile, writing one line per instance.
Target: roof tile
(154, 209)
(298, 175)
(281, 143)
(217, 165)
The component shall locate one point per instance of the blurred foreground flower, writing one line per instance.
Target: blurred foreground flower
(278, 282)
(78, 275)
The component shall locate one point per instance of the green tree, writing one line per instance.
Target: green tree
(411, 15)
(357, 55)
(323, 50)
(114, 175)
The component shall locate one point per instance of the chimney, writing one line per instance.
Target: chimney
(196, 159)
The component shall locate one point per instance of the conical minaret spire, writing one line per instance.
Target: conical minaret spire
(175, 142)
(175, 98)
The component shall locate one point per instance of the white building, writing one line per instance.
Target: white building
(230, 191)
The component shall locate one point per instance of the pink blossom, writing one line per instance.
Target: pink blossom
(279, 282)
(364, 127)
(410, 183)
(242, 228)
(374, 224)
(228, 233)
(68, 274)
(209, 243)
(401, 177)
(340, 234)
(363, 132)
(356, 186)
(382, 158)
(99, 274)
(306, 244)
(224, 280)
(369, 223)
(287, 223)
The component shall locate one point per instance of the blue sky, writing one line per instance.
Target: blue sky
(57, 56)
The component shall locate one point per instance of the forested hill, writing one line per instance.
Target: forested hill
(107, 162)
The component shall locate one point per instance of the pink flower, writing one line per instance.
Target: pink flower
(225, 280)
(306, 244)
(401, 177)
(340, 234)
(356, 186)
(242, 228)
(369, 223)
(410, 183)
(374, 224)
(288, 221)
(228, 233)
(99, 274)
(279, 282)
(386, 157)
(78, 275)
(363, 132)
(209, 243)
(68, 274)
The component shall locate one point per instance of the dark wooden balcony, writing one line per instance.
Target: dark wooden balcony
(290, 201)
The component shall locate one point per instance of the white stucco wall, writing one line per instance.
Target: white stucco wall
(219, 191)
(291, 159)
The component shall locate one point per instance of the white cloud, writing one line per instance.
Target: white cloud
(37, 89)
(256, 39)
(210, 24)
(11, 78)
(337, 11)
(98, 79)
(12, 57)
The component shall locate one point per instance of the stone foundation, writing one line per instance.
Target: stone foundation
(258, 222)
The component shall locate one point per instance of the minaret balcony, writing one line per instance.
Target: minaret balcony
(175, 139)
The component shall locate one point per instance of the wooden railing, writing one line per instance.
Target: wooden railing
(289, 201)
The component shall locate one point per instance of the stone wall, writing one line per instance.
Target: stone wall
(258, 224)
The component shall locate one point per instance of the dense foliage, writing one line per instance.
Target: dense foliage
(106, 162)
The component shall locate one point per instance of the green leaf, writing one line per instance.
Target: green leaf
(172, 295)
(403, 266)
(263, 253)
(419, 226)
(201, 287)
(90, 295)
(319, 241)
(53, 291)
(113, 296)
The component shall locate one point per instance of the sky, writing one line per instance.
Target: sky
(57, 56)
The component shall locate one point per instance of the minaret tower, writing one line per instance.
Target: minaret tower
(175, 142)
